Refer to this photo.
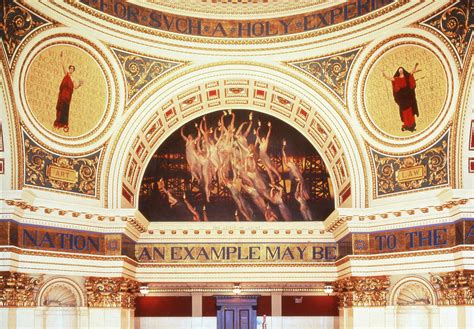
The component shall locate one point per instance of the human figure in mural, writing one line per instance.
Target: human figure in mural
(231, 170)
(192, 210)
(295, 172)
(403, 86)
(66, 89)
(276, 194)
(262, 143)
(299, 196)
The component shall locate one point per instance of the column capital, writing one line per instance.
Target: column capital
(454, 288)
(362, 291)
(17, 289)
(111, 292)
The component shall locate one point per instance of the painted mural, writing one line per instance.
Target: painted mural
(405, 90)
(66, 90)
(236, 166)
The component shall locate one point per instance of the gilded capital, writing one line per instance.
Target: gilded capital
(454, 288)
(17, 289)
(362, 291)
(111, 292)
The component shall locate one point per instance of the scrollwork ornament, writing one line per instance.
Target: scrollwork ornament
(17, 289)
(454, 24)
(15, 24)
(111, 292)
(139, 70)
(332, 71)
(38, 166)
(432, 163)
(362, 291)
(454, 288)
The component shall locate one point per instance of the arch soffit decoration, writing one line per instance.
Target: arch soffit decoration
(410, 282)
(9, 119)
(61, 282)
(229, 86)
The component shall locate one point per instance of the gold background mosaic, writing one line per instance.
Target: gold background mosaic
(431, 89)
(44, 77)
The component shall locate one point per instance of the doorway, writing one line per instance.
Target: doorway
(236, 312)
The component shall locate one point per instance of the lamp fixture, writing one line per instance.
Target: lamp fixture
(236, 290)
(144, 290)
(328, 289)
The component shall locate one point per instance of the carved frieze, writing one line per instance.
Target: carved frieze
(454, 288)
(362, 291)
(111, 292)
(17, 289)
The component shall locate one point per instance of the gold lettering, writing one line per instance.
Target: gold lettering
(411, 173)
(62, 174)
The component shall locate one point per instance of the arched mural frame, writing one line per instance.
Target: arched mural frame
(332, 116)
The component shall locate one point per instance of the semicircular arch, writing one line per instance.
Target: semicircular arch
(299, 102)
(61, 291)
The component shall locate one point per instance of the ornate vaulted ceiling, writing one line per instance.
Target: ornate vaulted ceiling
(147, 68)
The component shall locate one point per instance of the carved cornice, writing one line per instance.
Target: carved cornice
(17, 289)
(111, 292)
(340, 220)
(362, 291)
(454, 288)
(134, 221)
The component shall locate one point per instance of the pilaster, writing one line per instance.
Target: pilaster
(362, 301)
(111, 302)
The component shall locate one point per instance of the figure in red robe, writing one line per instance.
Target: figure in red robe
(403, 85)
(65, 95)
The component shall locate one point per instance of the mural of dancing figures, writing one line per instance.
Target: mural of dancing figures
(236, 165)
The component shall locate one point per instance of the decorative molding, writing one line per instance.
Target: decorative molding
(61, 292)
(138, 224)
(140, 70)
(454, 288)
(338, 221)
(248, 94)
(17, 289)
(111, 292)
(177, 26)
(59, 295)
(426, 169)
(362, 291)
(332, 70)
(16, 23)
(454, 23)
(70, 174)
(413, 294)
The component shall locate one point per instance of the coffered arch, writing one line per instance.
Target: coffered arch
(302, 104)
